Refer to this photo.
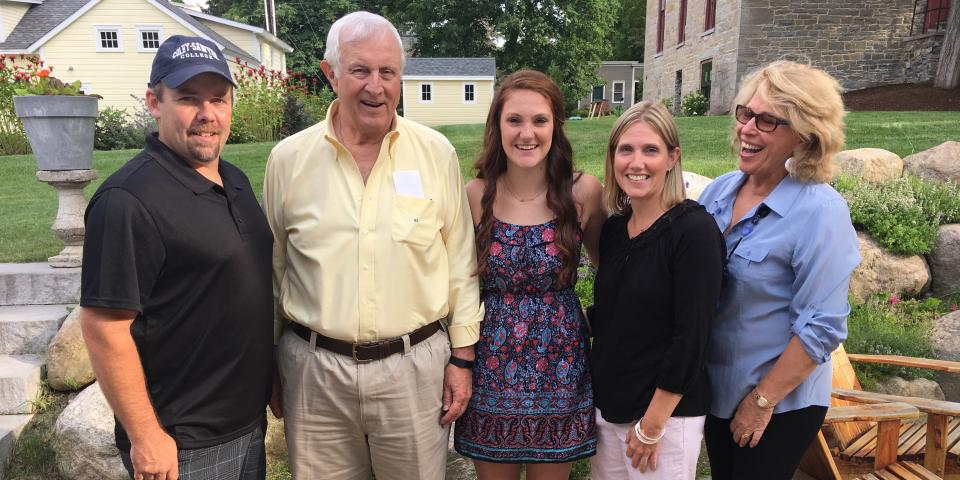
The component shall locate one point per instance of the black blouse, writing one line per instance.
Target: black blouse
(655, 298)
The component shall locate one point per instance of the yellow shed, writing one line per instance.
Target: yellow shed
(109, 45)
(446, 91)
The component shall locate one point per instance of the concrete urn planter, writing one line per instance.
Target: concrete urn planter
(60, 129)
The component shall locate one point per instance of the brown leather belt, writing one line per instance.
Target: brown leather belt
(367, 352)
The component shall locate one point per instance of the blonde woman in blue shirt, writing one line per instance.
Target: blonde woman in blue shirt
(790, 251)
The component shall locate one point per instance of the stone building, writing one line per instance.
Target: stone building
(709, 45)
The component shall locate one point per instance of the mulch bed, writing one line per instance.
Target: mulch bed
(902, 98)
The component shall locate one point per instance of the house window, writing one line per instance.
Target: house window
(706, 78)
(150, 38)
(618, 92)
(469, 93)
(597, 93)
(661, 16)
(426, 93)
(682, 22)
(108, 39)
(710, 16)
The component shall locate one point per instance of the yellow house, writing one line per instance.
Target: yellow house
(109, 44)
(445, 91)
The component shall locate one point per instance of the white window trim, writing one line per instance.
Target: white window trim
(463, 93)
(108, 28)
(613, 92)
(433, 92)
(148, 28)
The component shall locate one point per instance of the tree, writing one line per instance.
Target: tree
(565, 38)
(628, 34)
(948, 68)
(303, 24)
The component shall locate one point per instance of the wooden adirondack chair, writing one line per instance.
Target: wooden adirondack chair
(818, 462)
(933, 436)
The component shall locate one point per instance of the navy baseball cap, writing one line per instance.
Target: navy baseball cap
(181, 58)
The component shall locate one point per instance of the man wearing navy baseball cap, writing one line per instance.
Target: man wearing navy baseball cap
(176, 285)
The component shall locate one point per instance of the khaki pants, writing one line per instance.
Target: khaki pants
(341, 418)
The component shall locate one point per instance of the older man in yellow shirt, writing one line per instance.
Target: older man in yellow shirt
(374, 260)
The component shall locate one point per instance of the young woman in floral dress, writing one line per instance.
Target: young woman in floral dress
(532, 403)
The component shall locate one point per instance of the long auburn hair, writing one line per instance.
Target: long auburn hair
(492, 163)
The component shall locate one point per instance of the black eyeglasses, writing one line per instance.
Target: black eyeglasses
(765, 122)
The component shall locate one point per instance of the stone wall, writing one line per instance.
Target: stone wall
(863, 44)
(718, 46)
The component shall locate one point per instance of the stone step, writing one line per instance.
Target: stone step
(19, 383)
(38, 284)
(10, 428)
(28, 329)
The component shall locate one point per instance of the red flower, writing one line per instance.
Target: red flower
(894, 299)
(43, 73)
(953, 308)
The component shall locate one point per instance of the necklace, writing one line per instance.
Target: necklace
(523, 200)
(643, 229)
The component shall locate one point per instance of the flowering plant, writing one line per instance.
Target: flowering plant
(34, 79)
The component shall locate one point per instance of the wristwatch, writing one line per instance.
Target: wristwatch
(459, 362)
(762, 401)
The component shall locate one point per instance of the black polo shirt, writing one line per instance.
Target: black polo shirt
(194, 260)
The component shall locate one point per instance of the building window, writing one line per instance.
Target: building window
(661, 16)
(108, 39)
(150, 38)
(426, 93)
(682, 22)
(469, 93)
(677, 86)
(597, 93)
(710, 16)
(618, 92)
(706, 78)
(929, 16)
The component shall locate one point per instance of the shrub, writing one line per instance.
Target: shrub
(116, 131)
(667, 102)
(886, 325)
(13, 141)
(902, 215)
(694, 105)
(259, 101)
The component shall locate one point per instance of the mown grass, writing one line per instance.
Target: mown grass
(27, 207)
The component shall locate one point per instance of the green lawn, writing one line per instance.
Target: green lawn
(27, 207)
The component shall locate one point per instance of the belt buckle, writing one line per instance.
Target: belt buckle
(353, 351)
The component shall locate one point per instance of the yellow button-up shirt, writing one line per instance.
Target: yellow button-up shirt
(363, 263)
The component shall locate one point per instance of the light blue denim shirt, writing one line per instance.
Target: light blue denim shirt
(788, 277)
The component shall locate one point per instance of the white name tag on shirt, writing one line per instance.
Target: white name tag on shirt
(407, 183)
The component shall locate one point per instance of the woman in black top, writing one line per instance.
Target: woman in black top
(661, 263)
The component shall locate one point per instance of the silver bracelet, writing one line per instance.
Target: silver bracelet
(645, 439)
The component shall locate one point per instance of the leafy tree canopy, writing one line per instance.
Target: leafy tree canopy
(628, 35)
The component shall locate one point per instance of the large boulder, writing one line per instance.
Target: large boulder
(870, 164)
(945, 335)
(694, 184)
(83, 437)
(884, 272)
(68, 365)
(919, 388)
(941, 162)
(945, 261)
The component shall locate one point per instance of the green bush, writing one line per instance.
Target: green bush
(887, 325)
(694, 105)
(117, 131)
(13, 141)
(902, 215)
(667, 102)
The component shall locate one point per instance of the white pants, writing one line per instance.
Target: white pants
(677, 457)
